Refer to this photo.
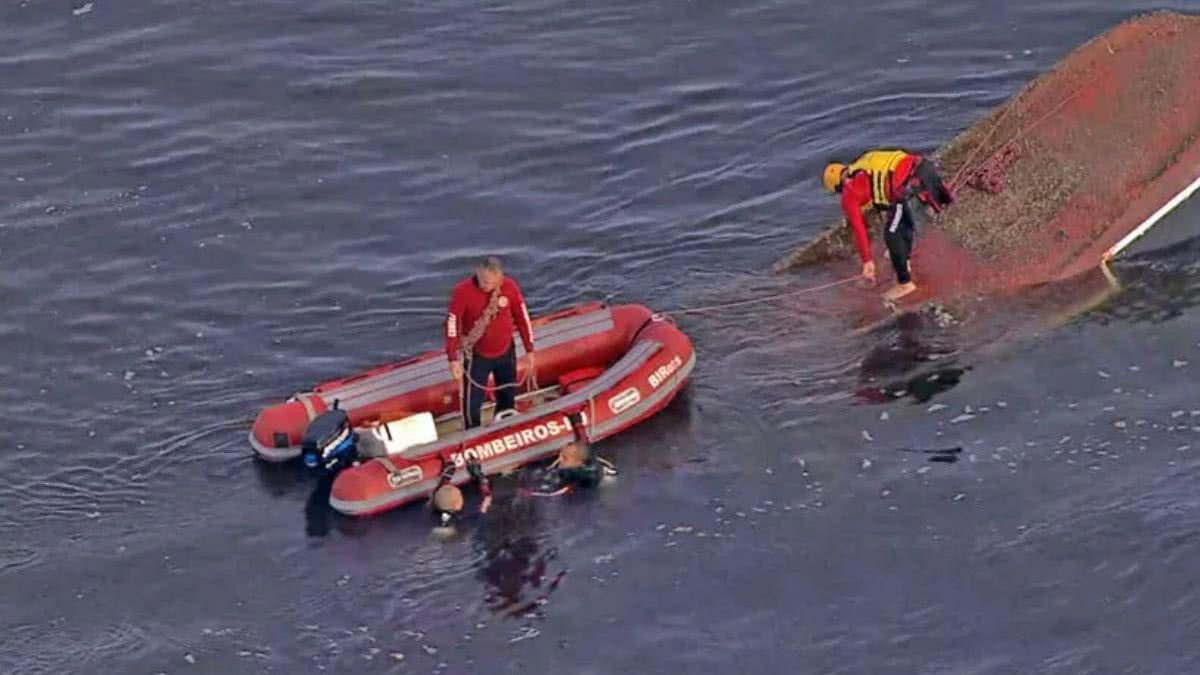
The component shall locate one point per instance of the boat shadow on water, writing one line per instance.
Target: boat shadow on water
(290, 479)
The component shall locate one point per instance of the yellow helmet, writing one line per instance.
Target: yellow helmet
(833, 176)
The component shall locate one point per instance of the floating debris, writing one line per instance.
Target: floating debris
(867, 436)
(86, 9)
(866, 464)
(935, 408)
(965, 417)
(944, 455)
(1177, 363)
(528, 633)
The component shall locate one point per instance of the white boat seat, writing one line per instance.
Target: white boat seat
(399, 435)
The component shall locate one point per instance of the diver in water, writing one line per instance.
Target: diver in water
(447, 501)
(577, 466)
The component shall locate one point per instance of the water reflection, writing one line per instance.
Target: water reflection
(516, 569)
(909, 344)
(919, 355)
(282, 479)
(1157, 287)
(318, 514)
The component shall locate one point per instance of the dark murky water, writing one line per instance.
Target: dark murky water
(208, 206)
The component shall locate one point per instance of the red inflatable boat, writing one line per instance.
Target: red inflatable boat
(615, 366)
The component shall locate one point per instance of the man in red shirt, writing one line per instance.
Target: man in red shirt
(484, 310)
(896, 183)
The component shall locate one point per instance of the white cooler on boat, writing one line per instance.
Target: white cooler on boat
(399, 435)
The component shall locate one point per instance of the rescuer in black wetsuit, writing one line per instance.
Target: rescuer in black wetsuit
(447, 499)
(577, 466)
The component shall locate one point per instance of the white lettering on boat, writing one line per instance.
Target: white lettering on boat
(511, 442)
(665, 371)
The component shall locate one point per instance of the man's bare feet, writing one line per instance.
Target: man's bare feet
(899, 291)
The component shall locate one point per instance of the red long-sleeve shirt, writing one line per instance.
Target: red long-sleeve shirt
(856, 196)
(467, 303)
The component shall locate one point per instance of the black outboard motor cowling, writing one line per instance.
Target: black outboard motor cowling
(329, 441)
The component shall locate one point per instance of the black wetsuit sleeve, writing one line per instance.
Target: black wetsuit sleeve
(446, 476)
(477, 475)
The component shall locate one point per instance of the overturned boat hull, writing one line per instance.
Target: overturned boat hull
(1066, 174)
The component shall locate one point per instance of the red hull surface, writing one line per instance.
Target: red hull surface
(616, 365)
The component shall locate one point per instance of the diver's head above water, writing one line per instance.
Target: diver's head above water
(573, 455)
(447, 503)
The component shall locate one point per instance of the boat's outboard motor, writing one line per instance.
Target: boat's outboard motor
(329, 441)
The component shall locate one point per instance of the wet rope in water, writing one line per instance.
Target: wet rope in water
(531, 376)
(765, 298)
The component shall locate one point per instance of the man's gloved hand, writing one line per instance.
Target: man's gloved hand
(447, 470)
(476, 471)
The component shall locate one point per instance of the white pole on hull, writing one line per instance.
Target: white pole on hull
(1151, 221)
